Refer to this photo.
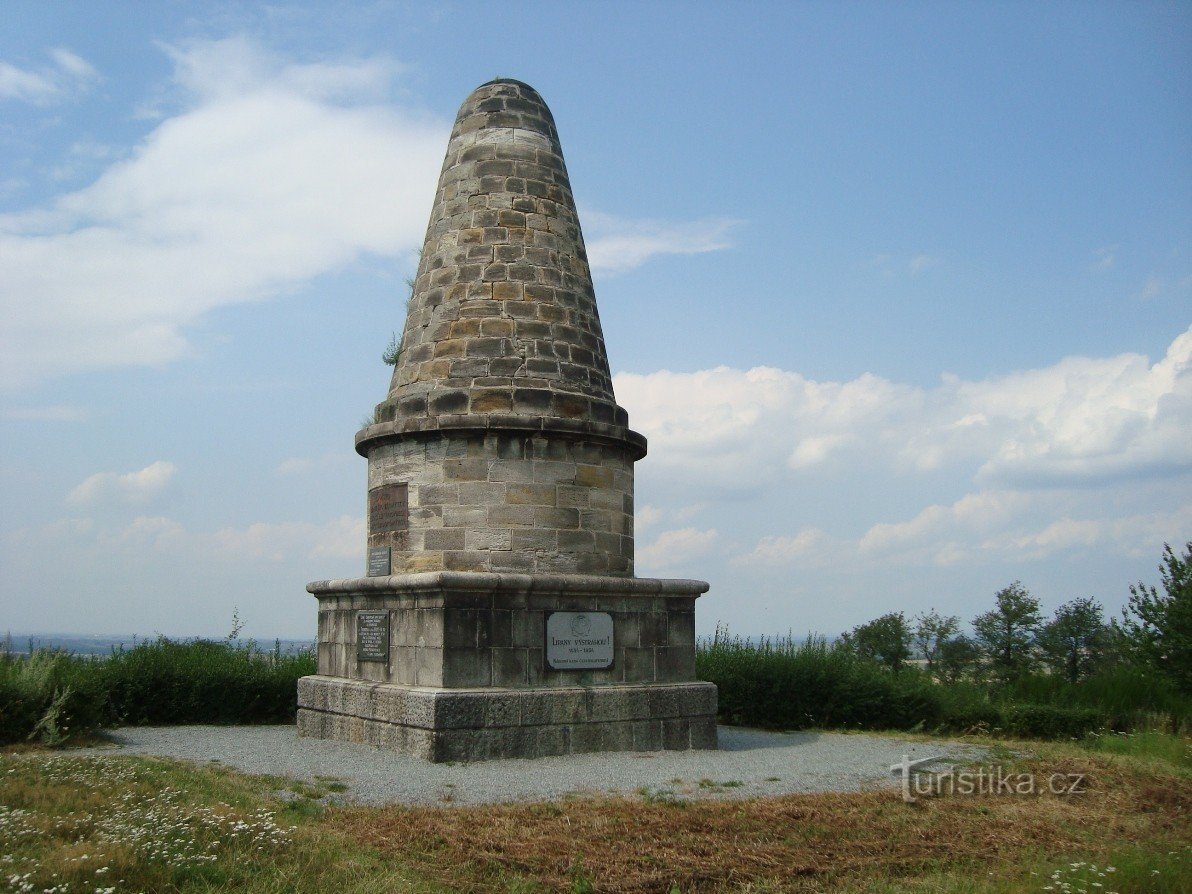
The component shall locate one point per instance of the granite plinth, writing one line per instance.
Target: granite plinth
(490, 724)
(468, 676)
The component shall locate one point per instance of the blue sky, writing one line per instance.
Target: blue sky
(901, 294)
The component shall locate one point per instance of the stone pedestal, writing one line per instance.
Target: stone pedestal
(465, 670)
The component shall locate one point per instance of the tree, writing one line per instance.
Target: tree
(957, 656)
(931, 632)
(885, 640)
(1006, 635)
(1159, 627)
(1074, 642)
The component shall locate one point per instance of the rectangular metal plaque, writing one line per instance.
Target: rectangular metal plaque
(372, 636)
(380, 561)
(389, 509)
(579, 640)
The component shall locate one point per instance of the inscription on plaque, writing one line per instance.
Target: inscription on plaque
(389, 509)
(372, 636)
(380, 561)
(579, 640)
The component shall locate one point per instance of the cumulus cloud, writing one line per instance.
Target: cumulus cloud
(66, 75)
(272, 173)
(144, 532)
(987, 526)
(1080, 420)
(673, 548)
(341, 538)
(616, 245)
(808, 546)
(129, 488)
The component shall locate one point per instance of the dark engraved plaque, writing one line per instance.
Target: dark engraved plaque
(389, 509)
(380, 561)
(372, 636)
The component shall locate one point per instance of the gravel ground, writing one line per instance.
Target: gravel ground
(748, 763)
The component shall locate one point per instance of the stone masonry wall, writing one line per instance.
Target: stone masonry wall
(503, 317)
(481, 639)
(508, 502)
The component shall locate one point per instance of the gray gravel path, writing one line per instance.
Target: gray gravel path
(748, 763)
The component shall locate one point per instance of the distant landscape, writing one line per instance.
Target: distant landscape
(104, 644)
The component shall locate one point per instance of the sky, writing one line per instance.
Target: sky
(900, 294)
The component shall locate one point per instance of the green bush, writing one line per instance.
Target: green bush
(781, 684)
(785, 685)
(967, 708)
(53, 697)
(50, 697)
(202, 681)
(1050, 721)
(1127, 696)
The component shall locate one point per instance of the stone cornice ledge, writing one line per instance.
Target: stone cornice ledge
(484, 423)
(435, 581)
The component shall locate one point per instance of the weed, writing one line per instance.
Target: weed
(663, 796)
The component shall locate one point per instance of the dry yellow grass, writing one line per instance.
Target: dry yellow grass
(797, 842)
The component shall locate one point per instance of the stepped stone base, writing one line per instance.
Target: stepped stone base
(491, 723)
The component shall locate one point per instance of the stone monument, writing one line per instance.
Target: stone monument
(500, 616)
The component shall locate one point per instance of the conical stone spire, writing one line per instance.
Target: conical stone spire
(502, 327)
(500, 446)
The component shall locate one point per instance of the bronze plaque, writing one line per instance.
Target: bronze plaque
(372, 636)
(389, 509)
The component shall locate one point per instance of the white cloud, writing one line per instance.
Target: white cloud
(145, 532)
(674, 548)
(808, 546)
(340, 538)
(985, 527)
(1105, 257)
(131, 488)
(919, 263)
(1152, 288)
(273, 173)
(295, 466)
(1079, 420)
(68, 74)
(616, 245)
(893, 265)
(302, 465)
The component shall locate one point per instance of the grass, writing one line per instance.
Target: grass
(1166, 750)
(71, 822)
(823, 842)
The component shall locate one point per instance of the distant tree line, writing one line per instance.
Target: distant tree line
(1013, 639)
